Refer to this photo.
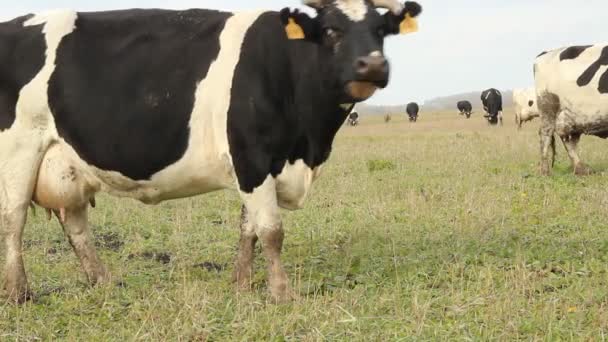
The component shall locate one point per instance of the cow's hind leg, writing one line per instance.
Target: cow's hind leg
(571, 143)
(12, 222)
(548, 105)
(76, 228)
(20, 158)
(264, 216)
(243, 271)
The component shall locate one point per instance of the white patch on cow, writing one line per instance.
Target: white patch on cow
(262, 206)
(33, 106)
(23, 145)
(355, 10)
(294, 184)
(207, 164)
(581, 108)
(375, 54)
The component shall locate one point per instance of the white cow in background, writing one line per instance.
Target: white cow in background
(524, 102)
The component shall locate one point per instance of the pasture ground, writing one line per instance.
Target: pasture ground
(437, 230)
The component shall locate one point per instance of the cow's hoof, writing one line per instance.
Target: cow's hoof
(282, 297)
(18, 296)
(582, 170)
(545, 171)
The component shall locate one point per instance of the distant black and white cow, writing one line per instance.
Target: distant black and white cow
(353, 119)
(465, 108)
(524, 104)
(157, 105)
(492, 105)
(412, 110)
(572, 95)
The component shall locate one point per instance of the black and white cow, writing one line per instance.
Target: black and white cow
(157, 105)
(572, 96)
(465, 108)
(353, 119)
(412, 110)
(492, 105)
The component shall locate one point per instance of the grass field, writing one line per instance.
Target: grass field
(437, 230)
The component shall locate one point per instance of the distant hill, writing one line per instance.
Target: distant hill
(435, 104)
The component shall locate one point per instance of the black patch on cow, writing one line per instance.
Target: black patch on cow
(284, 106)
(123, 89)
(589, 74)
(22, 55)
(412, 109)
(542, 54)
(573, 52)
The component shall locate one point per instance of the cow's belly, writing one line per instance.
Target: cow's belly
(582, 113)
(183, 179)
(65, 180)
(294, 184)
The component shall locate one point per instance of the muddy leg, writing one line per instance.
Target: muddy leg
(12, 223)
(571, 143)
(263, 213)
(243, 271)
(76, 228)
(547, 149)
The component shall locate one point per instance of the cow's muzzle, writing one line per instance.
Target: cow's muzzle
(373, 69)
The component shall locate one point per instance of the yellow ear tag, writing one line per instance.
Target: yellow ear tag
(408, 25)
(294, 31)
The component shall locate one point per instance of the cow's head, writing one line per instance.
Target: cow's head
(351, 35)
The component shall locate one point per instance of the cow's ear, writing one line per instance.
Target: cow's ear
(299, 25)
(406, 22)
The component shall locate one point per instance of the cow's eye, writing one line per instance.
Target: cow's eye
(332, 33)
(530, 103)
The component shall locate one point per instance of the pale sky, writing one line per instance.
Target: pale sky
(462, 45)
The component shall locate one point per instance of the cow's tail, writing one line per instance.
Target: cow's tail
(553, 150)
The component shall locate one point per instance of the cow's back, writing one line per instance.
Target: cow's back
(578, 75)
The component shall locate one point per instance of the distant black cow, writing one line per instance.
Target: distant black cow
(412, 111)
(353, 119)
(492, 105)
(465, 108)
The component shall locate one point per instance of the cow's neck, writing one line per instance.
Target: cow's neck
(317, 103)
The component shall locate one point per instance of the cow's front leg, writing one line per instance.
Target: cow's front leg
(243, 270)
(263, 214)
(571, 143)
(76, 228)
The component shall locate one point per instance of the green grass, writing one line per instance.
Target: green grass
(439, 230)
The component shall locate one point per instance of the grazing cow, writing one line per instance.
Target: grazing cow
(492, 105)
(158, 105)
(353, 119)
(412, 110)
(572, 94)
(465, 108)
(524, 103)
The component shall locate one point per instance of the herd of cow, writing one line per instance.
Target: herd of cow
(491, 99)
(157, 105)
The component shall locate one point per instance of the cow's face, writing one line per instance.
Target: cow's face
(351, 34)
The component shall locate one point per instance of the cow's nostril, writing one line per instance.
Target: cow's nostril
(361, 64)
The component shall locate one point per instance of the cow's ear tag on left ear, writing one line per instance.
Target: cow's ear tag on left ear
(293, 30)
(408, 25)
